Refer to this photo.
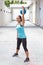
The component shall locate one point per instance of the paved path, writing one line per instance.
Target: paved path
(8, 46)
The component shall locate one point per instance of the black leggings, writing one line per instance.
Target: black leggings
(24, 43)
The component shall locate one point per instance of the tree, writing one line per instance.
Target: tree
(7, 3)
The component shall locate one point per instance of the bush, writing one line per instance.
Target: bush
(7, 3)
(22, 2)
(12, 2)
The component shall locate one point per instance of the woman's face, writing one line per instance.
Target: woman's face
(18, 19)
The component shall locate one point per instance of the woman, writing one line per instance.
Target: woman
(21, 37)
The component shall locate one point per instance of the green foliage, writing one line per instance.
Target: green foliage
(7, 3)
(17, 2)
(12, 2)
(22, 2)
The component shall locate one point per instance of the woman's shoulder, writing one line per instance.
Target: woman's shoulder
(21, 24)
(18, 25)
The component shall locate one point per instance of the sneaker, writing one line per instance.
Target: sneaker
(26, 60)
(15, 55)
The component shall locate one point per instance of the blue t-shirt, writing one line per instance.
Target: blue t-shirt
(21, 32)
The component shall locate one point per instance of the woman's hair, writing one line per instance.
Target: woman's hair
(20, 17)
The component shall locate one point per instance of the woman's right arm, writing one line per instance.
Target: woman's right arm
(23, 20)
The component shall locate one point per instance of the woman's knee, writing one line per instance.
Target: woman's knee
(25, 49)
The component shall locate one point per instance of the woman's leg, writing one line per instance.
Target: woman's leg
(24, 42)
(18, 47)
(18, 44)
